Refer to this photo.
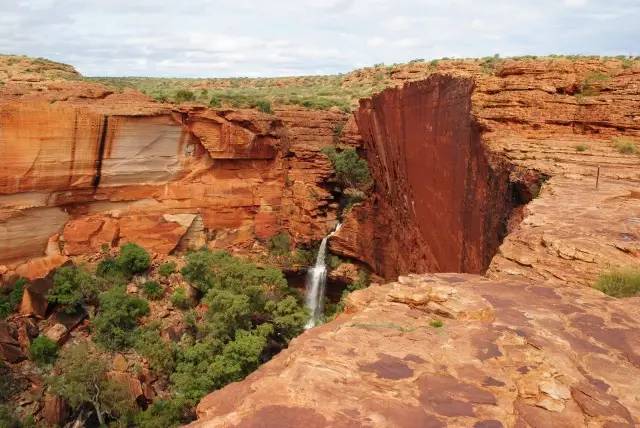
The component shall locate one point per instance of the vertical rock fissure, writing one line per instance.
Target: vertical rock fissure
(101, 146)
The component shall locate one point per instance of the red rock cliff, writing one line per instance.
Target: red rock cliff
(83, 168)
(441, 202)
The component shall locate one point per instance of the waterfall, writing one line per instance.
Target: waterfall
(316, 281)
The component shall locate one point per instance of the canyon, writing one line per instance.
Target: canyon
(485, 230)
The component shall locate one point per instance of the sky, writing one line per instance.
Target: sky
(208, 38)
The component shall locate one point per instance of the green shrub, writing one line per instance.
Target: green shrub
(9, 302)
(625, 146)
(72, 287)
(264, 106)
(581, 148)
(620, 282)
(239, 357)
(179, 299)
(304, 256)
(159, 352)
(288, 317)
(166, 414)
(166, 269)
(133, 259)
(248, 307)
(43, 350)
(436, 323)
(215, 101)
(115, 324)
(81, 379)
(351, 170)
(183, 95)
(279, 244)
(588, 86)
(110, 273)
(152, 290)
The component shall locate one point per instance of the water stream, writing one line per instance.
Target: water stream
(316, 282)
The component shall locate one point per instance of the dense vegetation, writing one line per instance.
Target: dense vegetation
(248, 314)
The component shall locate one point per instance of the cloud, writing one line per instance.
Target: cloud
(284, 37)
(575, 3)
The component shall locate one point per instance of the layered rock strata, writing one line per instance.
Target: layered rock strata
(94, 170)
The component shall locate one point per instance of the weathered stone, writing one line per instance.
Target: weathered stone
(57, 332)
(55, 410)
(387, 354)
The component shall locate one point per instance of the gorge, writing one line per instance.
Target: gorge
(484, 220)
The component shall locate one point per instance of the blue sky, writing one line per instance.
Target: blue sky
(207, 38)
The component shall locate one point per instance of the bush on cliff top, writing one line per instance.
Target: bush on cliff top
(625, 146)
(620, 282)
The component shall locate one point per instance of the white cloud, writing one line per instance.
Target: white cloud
(575, 3)
(254, 37)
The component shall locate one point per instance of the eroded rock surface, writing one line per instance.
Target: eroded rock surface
(509, 353)
(530, 344)
(98, 169)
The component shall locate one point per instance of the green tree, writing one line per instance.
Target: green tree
(133, 259)
(43, 350)
(239, 357)
(80, 377)
(118, 318)
(179, 299)
(165, 414)
(72, 286)
(183, 95)
(288, 317)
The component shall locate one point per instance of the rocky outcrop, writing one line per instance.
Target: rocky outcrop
(530, 344)
(507, 353)
(99, 169)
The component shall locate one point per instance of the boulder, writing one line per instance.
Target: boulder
(57, 333)
(10, 350)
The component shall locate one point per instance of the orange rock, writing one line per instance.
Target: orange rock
(506, 349)
(128, 380)
(55, 410)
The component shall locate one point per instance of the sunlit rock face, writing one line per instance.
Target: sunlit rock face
(104, 169)
(501, 354)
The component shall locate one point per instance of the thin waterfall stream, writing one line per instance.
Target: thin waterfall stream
(316, 282)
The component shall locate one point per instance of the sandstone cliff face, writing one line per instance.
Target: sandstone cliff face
(113, 168)
(434, 179)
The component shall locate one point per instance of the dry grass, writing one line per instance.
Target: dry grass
(620, 282)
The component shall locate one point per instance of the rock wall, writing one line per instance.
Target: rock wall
(441, 202)
(81, 172)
